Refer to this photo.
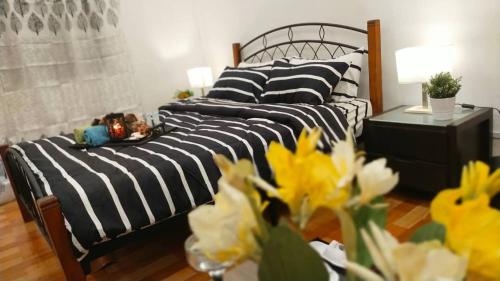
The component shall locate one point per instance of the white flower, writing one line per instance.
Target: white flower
(226, 231)
(409, 261)
(375, 179)
(428, 261)
(344, 160)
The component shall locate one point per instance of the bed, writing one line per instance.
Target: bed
(88, 202)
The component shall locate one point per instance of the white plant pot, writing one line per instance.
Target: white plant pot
(442, 109)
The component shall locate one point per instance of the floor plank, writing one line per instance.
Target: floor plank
(25, 255)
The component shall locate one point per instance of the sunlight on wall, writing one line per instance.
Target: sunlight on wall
(169, 50)
(439, 34)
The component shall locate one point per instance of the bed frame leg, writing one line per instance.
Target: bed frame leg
(50, 210)
(24, 211)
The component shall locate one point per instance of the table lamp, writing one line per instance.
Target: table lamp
(418, 64)
(200, 77)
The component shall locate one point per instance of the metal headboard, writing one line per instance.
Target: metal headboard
(299, 46)
(288, 43)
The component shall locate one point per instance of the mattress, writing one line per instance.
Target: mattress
(355, 110)
(111, 191)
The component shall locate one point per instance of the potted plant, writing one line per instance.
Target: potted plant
(442, 89)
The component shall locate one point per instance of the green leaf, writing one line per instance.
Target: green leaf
(361, 218)
(287, 257)
(443, 85)
(430, 231)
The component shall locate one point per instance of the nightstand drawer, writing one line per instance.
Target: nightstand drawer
(411, 143)
(418, 174)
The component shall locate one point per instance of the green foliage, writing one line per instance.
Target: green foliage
(442, 86)
(373, 212)
(183, 94)
(428, 232)
(287, 257)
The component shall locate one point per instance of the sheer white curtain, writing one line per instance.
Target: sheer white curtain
(62, 63)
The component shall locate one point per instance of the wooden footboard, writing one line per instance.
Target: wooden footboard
(53, 221)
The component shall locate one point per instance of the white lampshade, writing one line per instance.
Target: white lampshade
(418, 64)
(200, 77)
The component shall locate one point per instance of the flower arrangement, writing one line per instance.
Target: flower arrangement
(183, 94)
(461, 241)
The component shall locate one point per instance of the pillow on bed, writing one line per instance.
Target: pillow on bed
(267, 65)
(240, 84)
(310, 83)
(348, 85)
(256, 64)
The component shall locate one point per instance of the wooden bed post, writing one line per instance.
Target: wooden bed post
(375, 66)
(236, 54)
(24, 212)
(50, 210)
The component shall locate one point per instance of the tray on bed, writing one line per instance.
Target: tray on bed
(156, 133)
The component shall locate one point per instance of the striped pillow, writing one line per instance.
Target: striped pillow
(240, 84)
(310, 83)
(347, 88)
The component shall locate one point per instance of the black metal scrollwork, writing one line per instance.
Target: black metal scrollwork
(314, 47)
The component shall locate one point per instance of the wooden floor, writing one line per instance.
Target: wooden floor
(26, 256)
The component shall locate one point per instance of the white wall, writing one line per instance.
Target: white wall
(163, 41)
(167, 37)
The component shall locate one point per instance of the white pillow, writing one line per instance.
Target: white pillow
(347, 88)
(255, 64)
(266, 65)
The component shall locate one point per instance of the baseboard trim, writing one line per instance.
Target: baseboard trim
(496, 135)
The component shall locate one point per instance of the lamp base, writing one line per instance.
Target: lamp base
(419, 109)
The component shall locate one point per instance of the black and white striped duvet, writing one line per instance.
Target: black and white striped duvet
(108, 192)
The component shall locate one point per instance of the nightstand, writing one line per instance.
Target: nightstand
(429, 154)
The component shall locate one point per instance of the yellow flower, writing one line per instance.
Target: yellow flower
(375, 179)
(472, 231)
(235, 174)
(238, 175)
(227, 230)
(307, 142)
(476, 179)
(307, 179)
